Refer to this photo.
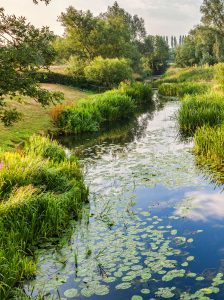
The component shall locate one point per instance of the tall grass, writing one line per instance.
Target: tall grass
(111, 107)
(199, 110)
(209, 143)
(141, 93)
(209, 147)
(191, 74)
(181, 89)
(40, 190)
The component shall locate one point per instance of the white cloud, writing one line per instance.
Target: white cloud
(165, 17)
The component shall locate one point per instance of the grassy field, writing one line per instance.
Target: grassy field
(35, 118)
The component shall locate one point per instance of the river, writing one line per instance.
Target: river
(155, 225)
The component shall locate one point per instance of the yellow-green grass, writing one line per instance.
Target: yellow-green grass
(35, 118)
(209, 147)
(41, 189)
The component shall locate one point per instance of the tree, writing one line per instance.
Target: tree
(213, 14)
(112, 34)
(155, 52)
(23, 50)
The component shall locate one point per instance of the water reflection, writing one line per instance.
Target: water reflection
(202, 206)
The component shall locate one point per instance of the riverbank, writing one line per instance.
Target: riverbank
(109, 108)
(202, 110)
(41, 189)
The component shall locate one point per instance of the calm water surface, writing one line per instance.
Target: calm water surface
(155, 225)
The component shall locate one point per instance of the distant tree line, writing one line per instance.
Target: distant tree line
(174, 41)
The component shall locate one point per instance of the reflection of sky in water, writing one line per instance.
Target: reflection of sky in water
(137, 188)
(203, 206)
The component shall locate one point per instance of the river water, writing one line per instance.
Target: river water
(155, 225)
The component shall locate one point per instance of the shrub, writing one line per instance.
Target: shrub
(200, 110)
(181, 89)
(140, 92)
(108, 72)
(40, 190)
(76, 67)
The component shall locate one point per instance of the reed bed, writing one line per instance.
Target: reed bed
(40, 191)
(111, 107)
(199, 110)
(181, 89)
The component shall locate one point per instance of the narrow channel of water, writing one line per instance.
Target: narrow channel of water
(155, 226)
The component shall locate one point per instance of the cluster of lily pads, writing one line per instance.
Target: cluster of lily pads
(144, 254)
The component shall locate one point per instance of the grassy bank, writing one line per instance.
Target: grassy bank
(35, 118)
(112, 107)
(183, 88)
(209, 144)
(201, 112)
(40, 190)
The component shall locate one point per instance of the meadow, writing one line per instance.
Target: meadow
(35, 118)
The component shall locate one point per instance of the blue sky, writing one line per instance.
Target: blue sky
(165, 17)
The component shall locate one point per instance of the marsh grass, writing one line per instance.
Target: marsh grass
(199, 110)
(40, 190)
(209, 146)
(112, 107)
(181, 89)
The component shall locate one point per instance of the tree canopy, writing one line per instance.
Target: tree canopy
(205, 43)
(23, 50)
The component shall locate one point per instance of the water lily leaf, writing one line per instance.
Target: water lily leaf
(135, 297)
(145, 291)
(71, 293)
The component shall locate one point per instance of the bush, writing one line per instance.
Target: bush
(200, 110)
(140, 92)
(108, 72)
(91, 114)
(181, 89)
(76, 67)
(209, 144)
(40, 190)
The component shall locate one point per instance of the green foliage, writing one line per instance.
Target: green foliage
(209, 144)
(219, 73)
(76, 67)
(40, 189)
(108, 72)
(91, 114)
(155, 54)
(140, 92)
(200, 110)
(190, 74)
(204, 44)
(111, 34)
(23, 49)
(181, 89)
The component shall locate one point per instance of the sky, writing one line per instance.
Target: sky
(163, 17)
